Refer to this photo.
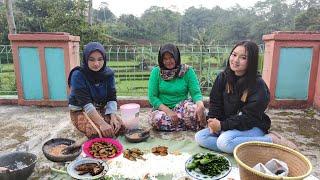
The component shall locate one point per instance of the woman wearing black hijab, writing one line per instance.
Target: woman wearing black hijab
(93, 100)
(174, 93)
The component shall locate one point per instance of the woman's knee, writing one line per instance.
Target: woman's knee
(225, 144)
(201, 136)
(190, 106)
(78, 120)
(198, 137)
(154, 122)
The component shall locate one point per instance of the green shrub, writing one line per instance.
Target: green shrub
(120, 63)
(6, 68)
(8, 82)
(260, 64)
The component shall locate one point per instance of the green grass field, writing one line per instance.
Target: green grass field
(8, 83)
(6, 68)
(115, 64)
(132, 88)
(131, 80)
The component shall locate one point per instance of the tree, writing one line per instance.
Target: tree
(103, 14)
(276, 13)
(203, 38)
(309, 20)
(90, 13)
(31, 14)
(258, 29)
(132, 28)
(58, 16)
(306, 4)
(194, 20)
(3, 25)
(161, 24)
(158, 24)
(10, 17)
(241, 25)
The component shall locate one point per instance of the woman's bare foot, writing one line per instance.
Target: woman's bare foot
(278, 139)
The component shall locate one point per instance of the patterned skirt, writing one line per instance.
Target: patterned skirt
(80, 121)
(186, 111)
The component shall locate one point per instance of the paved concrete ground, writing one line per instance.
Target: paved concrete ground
(32, 126)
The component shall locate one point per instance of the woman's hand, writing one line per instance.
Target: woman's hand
(106, 130)
(75, 146)
(174, 117)
(104, 127)
(115, 123)
(214, 125)
(200, 114)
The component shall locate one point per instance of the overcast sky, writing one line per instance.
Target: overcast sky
(137, 7)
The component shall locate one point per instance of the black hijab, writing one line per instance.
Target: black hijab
(94, 77)
(173, 50)
(179, 70)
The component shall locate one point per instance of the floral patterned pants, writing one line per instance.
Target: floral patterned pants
(186, 111)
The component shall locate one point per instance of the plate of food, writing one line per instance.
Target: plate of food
(87, 168)
(102, 148)
(208, 166)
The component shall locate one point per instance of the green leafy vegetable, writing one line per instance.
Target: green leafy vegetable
(208, 164)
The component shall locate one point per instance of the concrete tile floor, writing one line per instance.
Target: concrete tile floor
(32, 126)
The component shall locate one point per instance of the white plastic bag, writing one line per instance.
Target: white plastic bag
(277, 167)
(262, 168)
(273, 167)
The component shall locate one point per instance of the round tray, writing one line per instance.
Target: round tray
(116, 143)
(136, 140)
(72, 172)
(55, 142)
(200, 176)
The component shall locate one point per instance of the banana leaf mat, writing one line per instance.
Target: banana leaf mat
(181, 146)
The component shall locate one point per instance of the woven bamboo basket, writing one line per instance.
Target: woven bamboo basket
(248, 154)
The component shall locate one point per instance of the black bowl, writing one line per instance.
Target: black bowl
(21, 163)
(62, 158)
(141, 135)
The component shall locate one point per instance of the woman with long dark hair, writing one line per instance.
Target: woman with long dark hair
(238, 100)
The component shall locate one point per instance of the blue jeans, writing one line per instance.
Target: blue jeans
(226, 141)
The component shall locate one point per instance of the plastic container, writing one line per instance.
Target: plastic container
(130, 115)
